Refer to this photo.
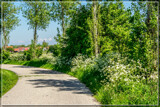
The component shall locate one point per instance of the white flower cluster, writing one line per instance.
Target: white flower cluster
(48, 57)
(17, 57)
(81, 61)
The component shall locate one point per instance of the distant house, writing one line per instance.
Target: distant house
(21, 49)
(26, 48)
(9, 47)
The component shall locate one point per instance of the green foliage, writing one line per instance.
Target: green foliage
(10, 49)
(37, 14)
(44, 44)
(5, 55)
(77, 39)
(39, 52)
(55, 49)
(125, 70)
(8, 81)
(9, 20)
(16, 46)
(114, 80)
(62, 12)
(28, 55)
(116, 27)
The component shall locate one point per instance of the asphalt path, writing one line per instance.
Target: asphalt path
(37, 86)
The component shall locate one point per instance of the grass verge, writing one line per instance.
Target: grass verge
(9, 79)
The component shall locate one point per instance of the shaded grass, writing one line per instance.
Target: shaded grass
(9, 79)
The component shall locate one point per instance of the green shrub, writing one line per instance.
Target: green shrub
(5, 55)
(28, 55)
(10, 49)
(39, 52)
(54, 49)
(114, 79)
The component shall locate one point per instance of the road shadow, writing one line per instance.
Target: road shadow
(21, 66)
(39, 71)
(45, 72)
(63, 85)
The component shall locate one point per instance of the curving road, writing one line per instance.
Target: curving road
(37, 86)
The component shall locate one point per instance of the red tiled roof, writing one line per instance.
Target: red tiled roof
(9, 47)
(16, 49)
(27, 48)
(21, 49)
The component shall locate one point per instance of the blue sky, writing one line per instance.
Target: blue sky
(23, 36)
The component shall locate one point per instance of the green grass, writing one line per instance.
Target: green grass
(34, 63)
(9, 79)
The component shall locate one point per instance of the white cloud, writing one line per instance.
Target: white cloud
(45, 39)
(21, 41)
(50, 39)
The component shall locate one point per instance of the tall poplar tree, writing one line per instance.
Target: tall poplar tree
(38, 16)
(61, 12)
(9, 20)
(94, 25)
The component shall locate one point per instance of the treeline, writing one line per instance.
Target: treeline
(107, 27)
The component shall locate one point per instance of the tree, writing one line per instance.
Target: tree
(95, 25)
(38, 15)
(44, 44)
(115, 28)
(9, 20)
(77, 35)
(61, 12)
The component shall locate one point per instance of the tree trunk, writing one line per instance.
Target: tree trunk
(95, 33)
(63, 27)
(35, 36)
(4, 33)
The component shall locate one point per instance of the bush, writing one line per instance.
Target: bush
(10, 49)
(48, 58)
(17, 57)
(116, 80)
(55, 49)
(39, 52)
(5, 55)
(28, 55)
